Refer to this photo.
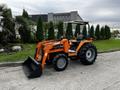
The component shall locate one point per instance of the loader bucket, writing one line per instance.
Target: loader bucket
(32, 68)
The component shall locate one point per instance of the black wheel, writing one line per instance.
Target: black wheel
(60, 62)
(87, 54)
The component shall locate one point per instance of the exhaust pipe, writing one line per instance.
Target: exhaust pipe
(32, 68)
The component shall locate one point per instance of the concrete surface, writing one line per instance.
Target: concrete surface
(10, 64)
(103, 75)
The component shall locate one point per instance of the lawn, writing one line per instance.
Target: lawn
(29, 50)
(107, 45)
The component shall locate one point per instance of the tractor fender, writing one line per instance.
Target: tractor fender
(82, 43)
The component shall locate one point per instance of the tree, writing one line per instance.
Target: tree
(25, 14)
(77, 30)
(107, 32)
(4, 33)
(60, 30)
(3, 7)
(8, 25)
(39, 33)
(24, 30)
(91, 32)
(4, 37)
(97, 32)
(69, 33)
(51, 34)
(46, 26)
(115, 33)
(102, 33)
(84, 32)
(25, 33)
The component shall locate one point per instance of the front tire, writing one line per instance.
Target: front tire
(88, 54)
(60, 62)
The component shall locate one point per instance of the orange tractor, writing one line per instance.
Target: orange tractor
(58, 53)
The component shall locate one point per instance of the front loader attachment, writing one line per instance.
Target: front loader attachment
(32, 68)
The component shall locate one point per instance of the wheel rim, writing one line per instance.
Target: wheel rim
(90, 54)
(61, 63)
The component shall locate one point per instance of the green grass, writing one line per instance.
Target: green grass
(29, 50)
(107, 45)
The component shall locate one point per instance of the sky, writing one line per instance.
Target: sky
(95, 11)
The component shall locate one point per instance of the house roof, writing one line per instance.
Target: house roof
(43, 16)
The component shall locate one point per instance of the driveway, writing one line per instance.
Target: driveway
(103, 75)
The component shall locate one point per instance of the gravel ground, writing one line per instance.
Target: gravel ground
(103, 75)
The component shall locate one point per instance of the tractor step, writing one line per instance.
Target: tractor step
(71, 51)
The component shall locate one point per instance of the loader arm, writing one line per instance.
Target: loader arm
(37, 52)
(46, 52)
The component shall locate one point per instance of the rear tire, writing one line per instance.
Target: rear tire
(60, 62)
(87, 54)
